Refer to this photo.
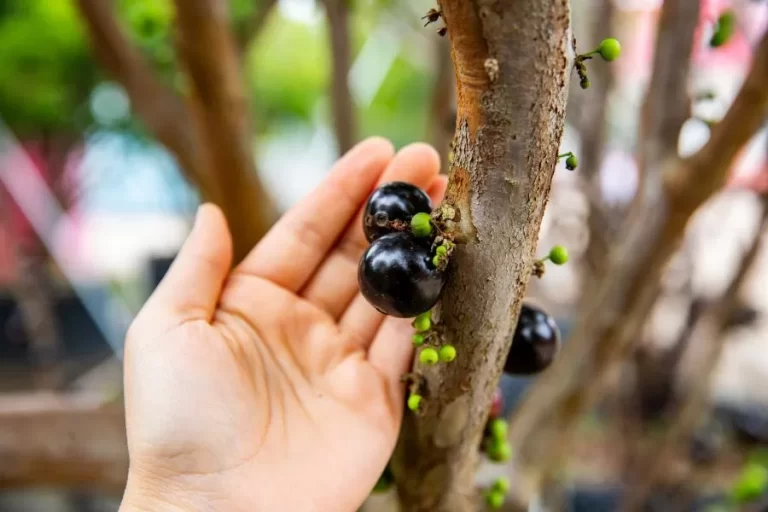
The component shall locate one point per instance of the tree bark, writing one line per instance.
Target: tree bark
(210, 135)
(672, 191)
(442, 113)
(512, 62)
(63, 442)
(341, 60)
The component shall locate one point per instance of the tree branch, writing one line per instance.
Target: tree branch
(62, 441)
(512, 63)
(220, 114)
(618, 311)
(158, 106)
(341, 97)
(713, 330)
(442, 113)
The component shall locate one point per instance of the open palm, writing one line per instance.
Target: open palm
(274, 386)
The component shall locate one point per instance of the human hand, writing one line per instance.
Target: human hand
(273, 386)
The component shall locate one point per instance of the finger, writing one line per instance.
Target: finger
(334, 285)
(191, 288)
(391, 353)
(289, 254)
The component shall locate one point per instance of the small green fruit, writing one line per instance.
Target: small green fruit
(723, 30)
(501, 485)
(585, 83)
(423, 322)
(447, 353)
(429, 356)
(436, 260)
(414, 401)
(500, 451)
(421, 224)
(494, 499)
(498, 429)
(751, 484)
(558, 255)
(571, 163)
(441, 250)
(418, 340)
(609, 49)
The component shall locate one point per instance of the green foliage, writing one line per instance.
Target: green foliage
(46, 71)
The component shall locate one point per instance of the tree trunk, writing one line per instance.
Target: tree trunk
(442, 115)
(513, 62)
(341, 59)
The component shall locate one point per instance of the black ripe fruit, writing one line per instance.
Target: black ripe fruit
(397, 277)
(535, 344)
(393, 201)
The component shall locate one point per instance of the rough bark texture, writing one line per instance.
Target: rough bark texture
(341, 60)
(512, 62)
(210, 135)
(442, 113)
(618, 311)
(62, 441)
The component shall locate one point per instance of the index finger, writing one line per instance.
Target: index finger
(290, 252)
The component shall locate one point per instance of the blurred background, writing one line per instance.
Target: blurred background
(93, 207)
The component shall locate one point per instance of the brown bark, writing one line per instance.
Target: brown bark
(672, 190)
(210, 136)
(220, 114)
(512, 63)
(341, 60)
(442, 113)
(62, 442)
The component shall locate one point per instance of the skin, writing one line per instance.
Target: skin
(273, 385)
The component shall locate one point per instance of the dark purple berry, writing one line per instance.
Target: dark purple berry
(535, 344)
(397, 277)
(393, 201)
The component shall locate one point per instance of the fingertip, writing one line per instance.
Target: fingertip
(437, 189)
(424, 155)
(374, 145)
(211, 226)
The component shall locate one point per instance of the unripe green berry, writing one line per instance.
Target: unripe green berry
(501, 485)
(429, 356)
(418, 340)
(499, 429)
(414, 401)
(571, 163)
(500, 451)
(441, 250)
(558, 255)
(436, 260)
(423, 322)
(447, 353)
(723, 30)
(421, 224)
(752, 483)
(585, 83)
(495, 500)
(610, 49)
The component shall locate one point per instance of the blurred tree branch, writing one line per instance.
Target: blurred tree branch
(341, 61)
(712, 331)
(442, 112)
(62, 441)
(672, 190)
(156, 104)
(219, 109)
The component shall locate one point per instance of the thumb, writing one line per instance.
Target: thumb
(191, 288)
